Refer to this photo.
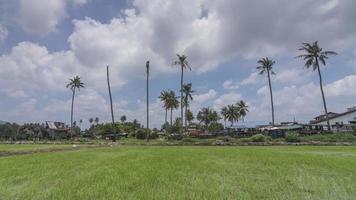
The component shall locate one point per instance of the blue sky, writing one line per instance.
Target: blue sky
(44, 43)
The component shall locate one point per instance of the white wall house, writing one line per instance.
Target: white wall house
(348, 117)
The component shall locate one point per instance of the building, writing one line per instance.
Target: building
(346, 118)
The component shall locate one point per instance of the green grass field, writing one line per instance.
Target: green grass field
(139, 172)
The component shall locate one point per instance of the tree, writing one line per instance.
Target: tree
(187, 96)
(123, 119)
(313, 55)
(91, 120)
(224, 114)
(183, 63)
(242, 109)
(74, 83)
(96, 120)
(189, 116)
(110, 98)
(172, 103)
(164, 98)
(207, 115)
(233, 114)
(266, 67)
(147, 100)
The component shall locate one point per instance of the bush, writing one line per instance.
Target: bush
(336, 137)
(175, 137)
(260, 138)
(153, 135)
(292, 137)
(141, 134)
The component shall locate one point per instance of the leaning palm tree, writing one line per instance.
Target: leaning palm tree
(242, 108)
(224, 114)
(314, 54)
(187, 96)
(74, 83)
(164, 99)
(172, 103)
(183, 63)
(266, 67)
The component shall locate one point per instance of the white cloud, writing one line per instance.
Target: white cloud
(42, 17)
(226, 99)
(230, 85)
(343, 87)
(253, 78)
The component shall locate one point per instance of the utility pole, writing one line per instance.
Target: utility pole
(147, 100)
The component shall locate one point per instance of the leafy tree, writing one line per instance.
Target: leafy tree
(96, 120)
(183, 63)
(313, 55)
(187, 97)
(207, 116)
(233, 114)
(266, 67)
(74, 83)
(189, 116)
(224, 114)
(123, 119)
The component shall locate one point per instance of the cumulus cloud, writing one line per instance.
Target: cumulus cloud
(230, 85)
(226, 99)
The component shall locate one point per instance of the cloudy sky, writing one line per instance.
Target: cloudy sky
(44, 43)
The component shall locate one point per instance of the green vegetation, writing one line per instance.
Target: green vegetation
(182, 173)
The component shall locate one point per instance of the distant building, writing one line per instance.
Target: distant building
(337, 119)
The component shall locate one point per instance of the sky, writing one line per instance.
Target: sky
(44, 43)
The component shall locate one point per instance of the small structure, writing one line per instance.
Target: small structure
(57, 130)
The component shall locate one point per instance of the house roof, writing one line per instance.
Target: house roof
(333, 117)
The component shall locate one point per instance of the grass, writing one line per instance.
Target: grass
(156, 172)
(24, 147)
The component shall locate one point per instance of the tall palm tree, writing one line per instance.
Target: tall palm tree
(242, 108)
(314, 54)
(147, 100)
(110, 98)
(164, 96)
(74, 83)
(187, 96)
(96, 120)
(123, 119)
(183, 63)
(172, 103)
(224, 113)
(266, 67)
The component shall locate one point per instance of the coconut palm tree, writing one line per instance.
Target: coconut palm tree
(183, 63)
(164, 98)
(203, 116)
(187, 96)
(266, 67)
(189, 116)
(224, 113)
(242, 108)
(96, 120)
(74, 83)
(172, 103)
(232, 114)
(313, 55)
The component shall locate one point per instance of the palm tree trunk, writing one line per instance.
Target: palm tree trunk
(185, 116)
(171, 116)
(147, 101)
(71, 114)
(181, 100)
(271, 94)
(322, 94)
(110, 98)
(165, 117)
(224, 123)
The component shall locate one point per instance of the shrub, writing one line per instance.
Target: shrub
(141, 134)
(292, 137)
(260, 138)
(154, 135)
(175, 137)
(336, 137)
